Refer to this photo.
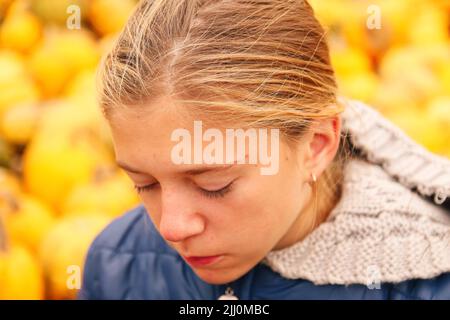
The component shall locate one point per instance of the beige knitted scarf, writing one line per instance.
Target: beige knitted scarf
(390, 224)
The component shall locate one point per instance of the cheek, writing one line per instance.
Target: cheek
(153, 211)
(271, 205)
(254, 208)
(292, 196)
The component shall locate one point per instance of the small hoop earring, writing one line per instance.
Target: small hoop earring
(314, 189)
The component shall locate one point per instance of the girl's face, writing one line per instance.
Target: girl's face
(204, 210)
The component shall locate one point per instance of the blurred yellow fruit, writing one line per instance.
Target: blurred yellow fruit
(17, 91)
(27, 219)
(348, 61)
(12, 66)
(6, 153)
(15, 85)
(429, 27)
(65, 117)
(65, 151)
(398, 61)
(444, 76)
(442, 4)
(20, 30)
(413, 69)
(356, 22)
(56, 10)
(79, 112)
(79, 49)
(437, 57)
(362, 86)
(439, 108)
(50, 71)
(422, 128)
(394, 97)
(422, 83)
(53, 165)
(81, 91)
(82, 85)
(439, 111)
(63, 253)
(329, 13)
(110, 16)
(18, 123)
(107, 42)
(60, 57)
(20, 274)
(397, 17)
(112, 194)
(4, 4)
(9, 182)
(373, 39)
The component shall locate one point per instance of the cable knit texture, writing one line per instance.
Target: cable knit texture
(390, 225)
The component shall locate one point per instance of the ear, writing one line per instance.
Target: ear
(322, 145)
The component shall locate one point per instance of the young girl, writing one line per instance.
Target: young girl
(322, 199)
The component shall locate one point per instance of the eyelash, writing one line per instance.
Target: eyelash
(220, 193)
(217, 193)
(140, 189)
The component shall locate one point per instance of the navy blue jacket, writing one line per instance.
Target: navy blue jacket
(130, 260)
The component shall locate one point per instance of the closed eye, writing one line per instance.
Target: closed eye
(219, 193)
(147, 187)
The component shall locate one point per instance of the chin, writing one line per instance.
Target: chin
(217, 277)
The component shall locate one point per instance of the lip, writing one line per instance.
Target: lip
(203, 261)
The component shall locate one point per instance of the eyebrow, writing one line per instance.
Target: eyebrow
(191, 172)
(128, 168)
(197, 171)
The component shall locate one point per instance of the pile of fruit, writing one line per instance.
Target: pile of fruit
(59, 185)
(395, 55)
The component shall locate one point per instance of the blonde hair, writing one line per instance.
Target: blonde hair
(263, 63)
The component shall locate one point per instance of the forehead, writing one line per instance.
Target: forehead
(142, 136)
(143, 133)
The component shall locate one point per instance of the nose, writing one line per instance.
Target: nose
(179, 219)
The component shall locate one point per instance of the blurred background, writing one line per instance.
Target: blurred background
(59, 185)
